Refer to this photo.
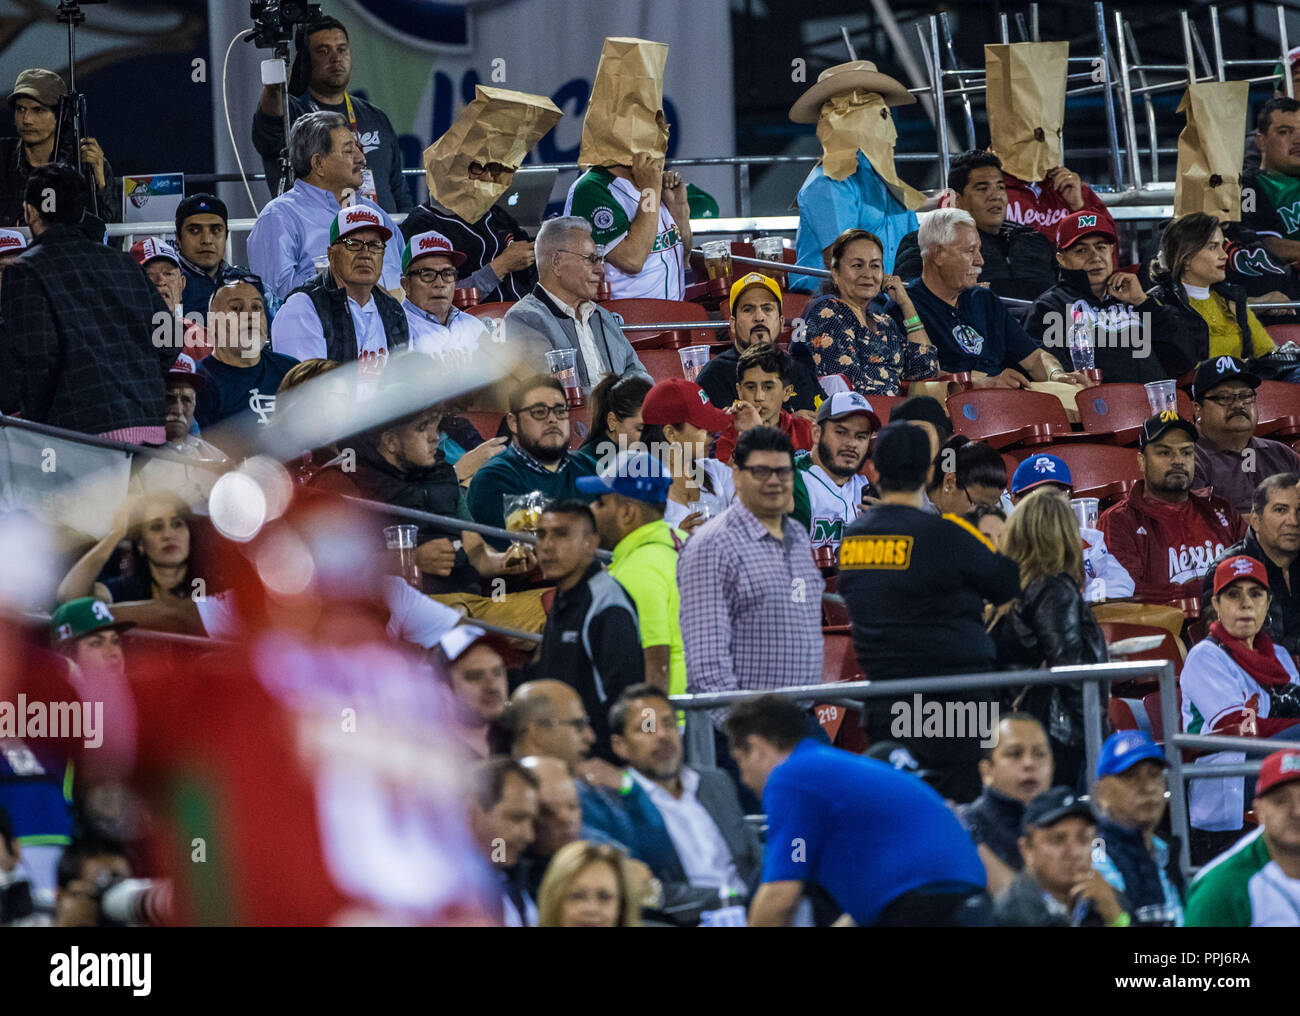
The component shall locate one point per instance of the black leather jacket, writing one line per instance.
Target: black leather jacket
(1052, 626)
(1190, 344)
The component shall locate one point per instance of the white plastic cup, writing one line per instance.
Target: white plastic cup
(1162, 395)
(693, 360)
(701, 507)
(717, 258)
(320, 262)
(563, 365)
(769, 248)
(401, 547)
(1085, 510)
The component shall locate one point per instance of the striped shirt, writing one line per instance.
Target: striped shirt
(751, 613)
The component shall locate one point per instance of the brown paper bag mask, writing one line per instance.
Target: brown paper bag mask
(1210, 149)
(498, 126)
(625, 113)
(860, 121)
(1026, 105)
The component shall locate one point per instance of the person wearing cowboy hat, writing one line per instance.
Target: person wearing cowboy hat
(854, 186)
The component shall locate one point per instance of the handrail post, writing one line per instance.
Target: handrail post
(1171, 721)
(1091, 724)
(699, 747)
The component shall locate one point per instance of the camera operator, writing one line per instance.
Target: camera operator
(87, 869)
(35, 104)
(319, 79)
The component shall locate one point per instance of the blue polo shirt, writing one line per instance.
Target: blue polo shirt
(977, 334)
(861, 829)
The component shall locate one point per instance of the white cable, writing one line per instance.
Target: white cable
(225, 102)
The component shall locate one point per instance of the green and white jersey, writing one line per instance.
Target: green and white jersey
(1244, 888)
(830, 507)
(610, 203)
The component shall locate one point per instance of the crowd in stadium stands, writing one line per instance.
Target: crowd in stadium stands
(856, 485)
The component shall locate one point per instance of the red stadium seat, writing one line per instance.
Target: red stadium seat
(884, 405)
(1116, 412)
(646, 311)
(1100, 471)
(793, 304)
(1004, 416)
(662, 364)
(486, 423)
(1130, 714)
(835, 614)
(1282, 334)
(1278, 407)
(1168, 649)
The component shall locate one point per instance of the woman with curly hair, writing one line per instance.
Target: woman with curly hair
(850, 331)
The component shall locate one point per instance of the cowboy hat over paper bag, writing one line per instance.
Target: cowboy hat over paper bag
(498, 126)
(1210, 149)
(1026, 105)
(625, 114)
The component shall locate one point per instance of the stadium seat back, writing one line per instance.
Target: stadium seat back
(663, 364)
(1278, 407)
(1005, 416)
(650, 311)
(1102, 471)
(1116, 412)
(490, 310)
(486, 423)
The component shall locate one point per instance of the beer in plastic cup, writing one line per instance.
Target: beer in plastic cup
(1162, 395)
(769, 248)
(563, 364)
(1085, 510)
(702, 507)
(401, 547)
(693, 360)
(717, 258)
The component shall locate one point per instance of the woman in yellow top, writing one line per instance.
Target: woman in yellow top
(1214, 317)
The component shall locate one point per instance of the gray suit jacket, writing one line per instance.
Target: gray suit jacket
(537, 325)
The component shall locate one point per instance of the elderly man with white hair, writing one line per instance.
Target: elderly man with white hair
(561, 312)
(967, 322)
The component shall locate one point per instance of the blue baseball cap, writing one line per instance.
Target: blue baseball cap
(635, 474)
(1124, 749)
(1037, 470)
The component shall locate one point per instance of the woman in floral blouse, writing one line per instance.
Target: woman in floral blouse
(851, 335)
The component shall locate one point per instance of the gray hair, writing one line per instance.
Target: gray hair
(940, 227)
(554, 234)
(312, 135)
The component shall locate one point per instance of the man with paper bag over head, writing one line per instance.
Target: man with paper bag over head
(1026, 106)
(855, 186)
(467, 170)
(639, 213)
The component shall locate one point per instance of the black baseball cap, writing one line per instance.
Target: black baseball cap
(1156, 427)
(1051, 806)
(1218, 369)
(923, 407)
(200, 204)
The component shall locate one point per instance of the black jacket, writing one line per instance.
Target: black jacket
(331, 304)
(718, 378)
(1019, 262)
(1052, 626)
(1117, 346)
(79, 322)
(1127, 851)
(993, 819)
(480, 242)
(1187, 339)
(1023, 905)
(15, 169)
(592, 642)
(1283, 624)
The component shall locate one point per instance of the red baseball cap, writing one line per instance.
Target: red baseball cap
(1078, 225)
(1280, 767)
(681, 401)
(184, 371)
(1239, 567)
(151, 249)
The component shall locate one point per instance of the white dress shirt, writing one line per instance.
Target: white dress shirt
(704, 854)
(298, 331)
(597, 366)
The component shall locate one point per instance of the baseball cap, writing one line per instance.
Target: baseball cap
(151, 248)
(1280, 767)
(1239, 567)
(1051, 806)
(44, 86)
(752, 279)
(185, 370)
(1156, 427)
(635, 474)
(12, 241)
(200, 204)
(1037, 470)
(1217, 370)
(843, 404)
(1125, 748)
(423, 244)
(680, 401)
(356, 217)
(1074, 227)
(456, 642)
(81, 617)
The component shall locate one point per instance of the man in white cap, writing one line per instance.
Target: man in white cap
(854, 186)
(828, 483)
(345, 314)
(438, 329)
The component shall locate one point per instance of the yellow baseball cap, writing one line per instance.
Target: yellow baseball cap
(752, 279)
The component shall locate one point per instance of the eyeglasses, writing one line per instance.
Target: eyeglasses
(1225, 401)
(494, 168)
(579, 725)
(354, 245)
(431, 275)
(764, 473)
(591, 259)
(540, 411)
